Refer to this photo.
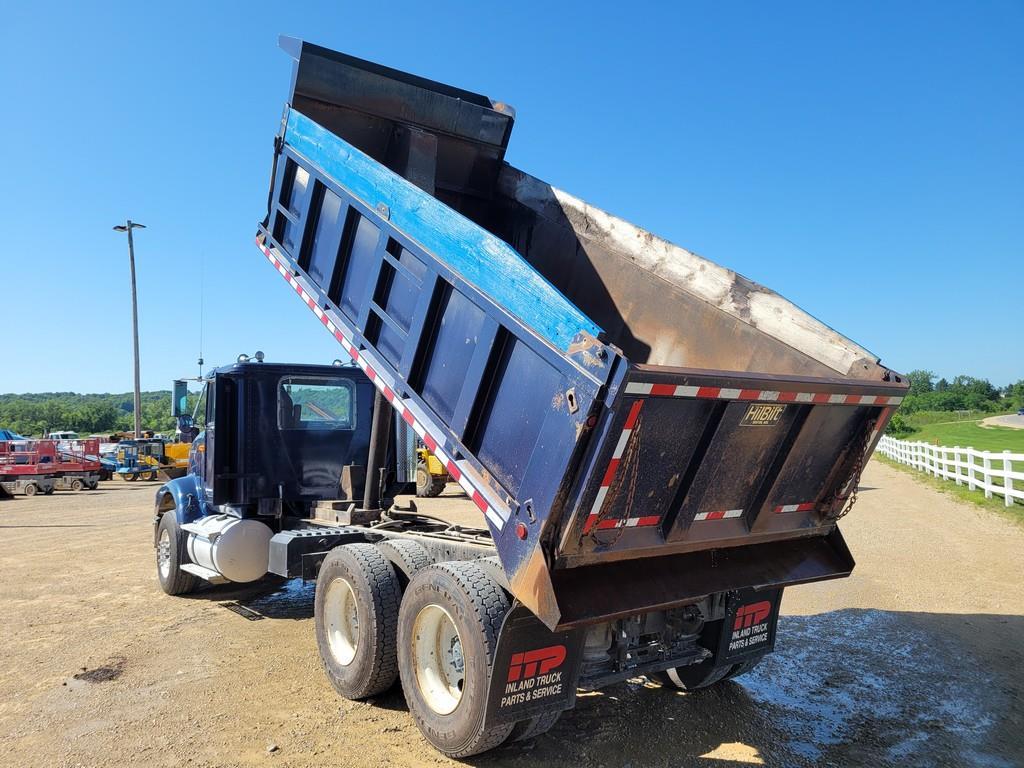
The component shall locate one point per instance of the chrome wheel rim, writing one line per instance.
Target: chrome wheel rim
(342, 621)
(438, 662)
(163, 554)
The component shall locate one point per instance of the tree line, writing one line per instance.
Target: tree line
(38, 414)
(929, 392)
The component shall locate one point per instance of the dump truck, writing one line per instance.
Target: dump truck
(655, 445)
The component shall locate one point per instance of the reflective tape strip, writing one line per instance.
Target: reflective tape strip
(805, 507)
(609, 478)
(719, 515)
(496, 514)
(629, 522)
(761, 395)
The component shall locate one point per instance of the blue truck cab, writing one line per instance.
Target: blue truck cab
(270, 441)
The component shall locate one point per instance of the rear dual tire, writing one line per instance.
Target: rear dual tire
(386, 611)
(448, 628)
(355, 614)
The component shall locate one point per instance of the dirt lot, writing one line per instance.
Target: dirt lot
(918, 659)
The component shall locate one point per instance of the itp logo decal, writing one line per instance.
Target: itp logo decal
(538, 662)
(749, 615)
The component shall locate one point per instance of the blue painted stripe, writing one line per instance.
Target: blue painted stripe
(480, 258)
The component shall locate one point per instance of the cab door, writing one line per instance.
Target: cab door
(219, 470)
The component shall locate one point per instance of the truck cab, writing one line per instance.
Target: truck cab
(270, 441)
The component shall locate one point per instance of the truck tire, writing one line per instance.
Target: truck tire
(406, 557)
(448, 630)
(355, 613)
(534, 726)
(49, 491)
(77, 485)
(428, 485)
(30, 489)
(170, 554)
(130, 477)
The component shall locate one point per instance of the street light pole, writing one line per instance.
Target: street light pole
(128, 227)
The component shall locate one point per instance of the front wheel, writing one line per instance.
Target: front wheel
(448, 630)
(170, 555)
(31, 489)
(77, 485)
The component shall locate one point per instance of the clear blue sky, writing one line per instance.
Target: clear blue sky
(863, 159)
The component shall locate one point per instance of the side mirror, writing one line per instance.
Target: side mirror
(179, 399)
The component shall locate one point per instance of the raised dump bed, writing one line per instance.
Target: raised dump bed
(622, 411)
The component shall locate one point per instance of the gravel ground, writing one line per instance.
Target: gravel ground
(914, 660)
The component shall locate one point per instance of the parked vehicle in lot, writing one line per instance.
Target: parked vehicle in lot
(27, 466)
(657, 446)
(431, 475)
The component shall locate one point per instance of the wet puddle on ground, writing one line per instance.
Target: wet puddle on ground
(871, 679)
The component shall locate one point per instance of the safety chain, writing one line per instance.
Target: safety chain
(858, 468)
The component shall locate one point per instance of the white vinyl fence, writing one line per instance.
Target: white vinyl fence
(988, 471)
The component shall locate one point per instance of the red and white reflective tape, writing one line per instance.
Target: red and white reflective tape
(758, 395)
(629, 522)
(720, 515)
(609, 477)
(461, 472)
(805, 507)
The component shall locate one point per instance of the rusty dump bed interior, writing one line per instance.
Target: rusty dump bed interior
(661, 304)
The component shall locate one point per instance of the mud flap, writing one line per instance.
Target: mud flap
(535, 670)
(751, 618)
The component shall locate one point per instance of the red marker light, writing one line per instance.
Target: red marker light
(521, 531)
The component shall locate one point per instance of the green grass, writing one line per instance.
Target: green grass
(918, 419)
(971, 434)
(1015, 513)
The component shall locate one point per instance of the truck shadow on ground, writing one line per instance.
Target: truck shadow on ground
(849, 687)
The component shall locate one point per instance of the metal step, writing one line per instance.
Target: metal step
(204, 573)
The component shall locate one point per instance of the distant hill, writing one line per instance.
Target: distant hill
(36, 413)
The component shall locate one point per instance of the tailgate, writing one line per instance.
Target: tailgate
(691, 460)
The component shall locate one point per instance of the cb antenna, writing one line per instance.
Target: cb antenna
(202, 285)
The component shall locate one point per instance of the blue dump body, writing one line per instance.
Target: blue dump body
(620, 410)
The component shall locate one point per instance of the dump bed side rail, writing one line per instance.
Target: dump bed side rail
(495, 371)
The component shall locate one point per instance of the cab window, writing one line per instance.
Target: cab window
(314, 403)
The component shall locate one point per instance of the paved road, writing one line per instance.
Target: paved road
(917, 659)
(1013, 420)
